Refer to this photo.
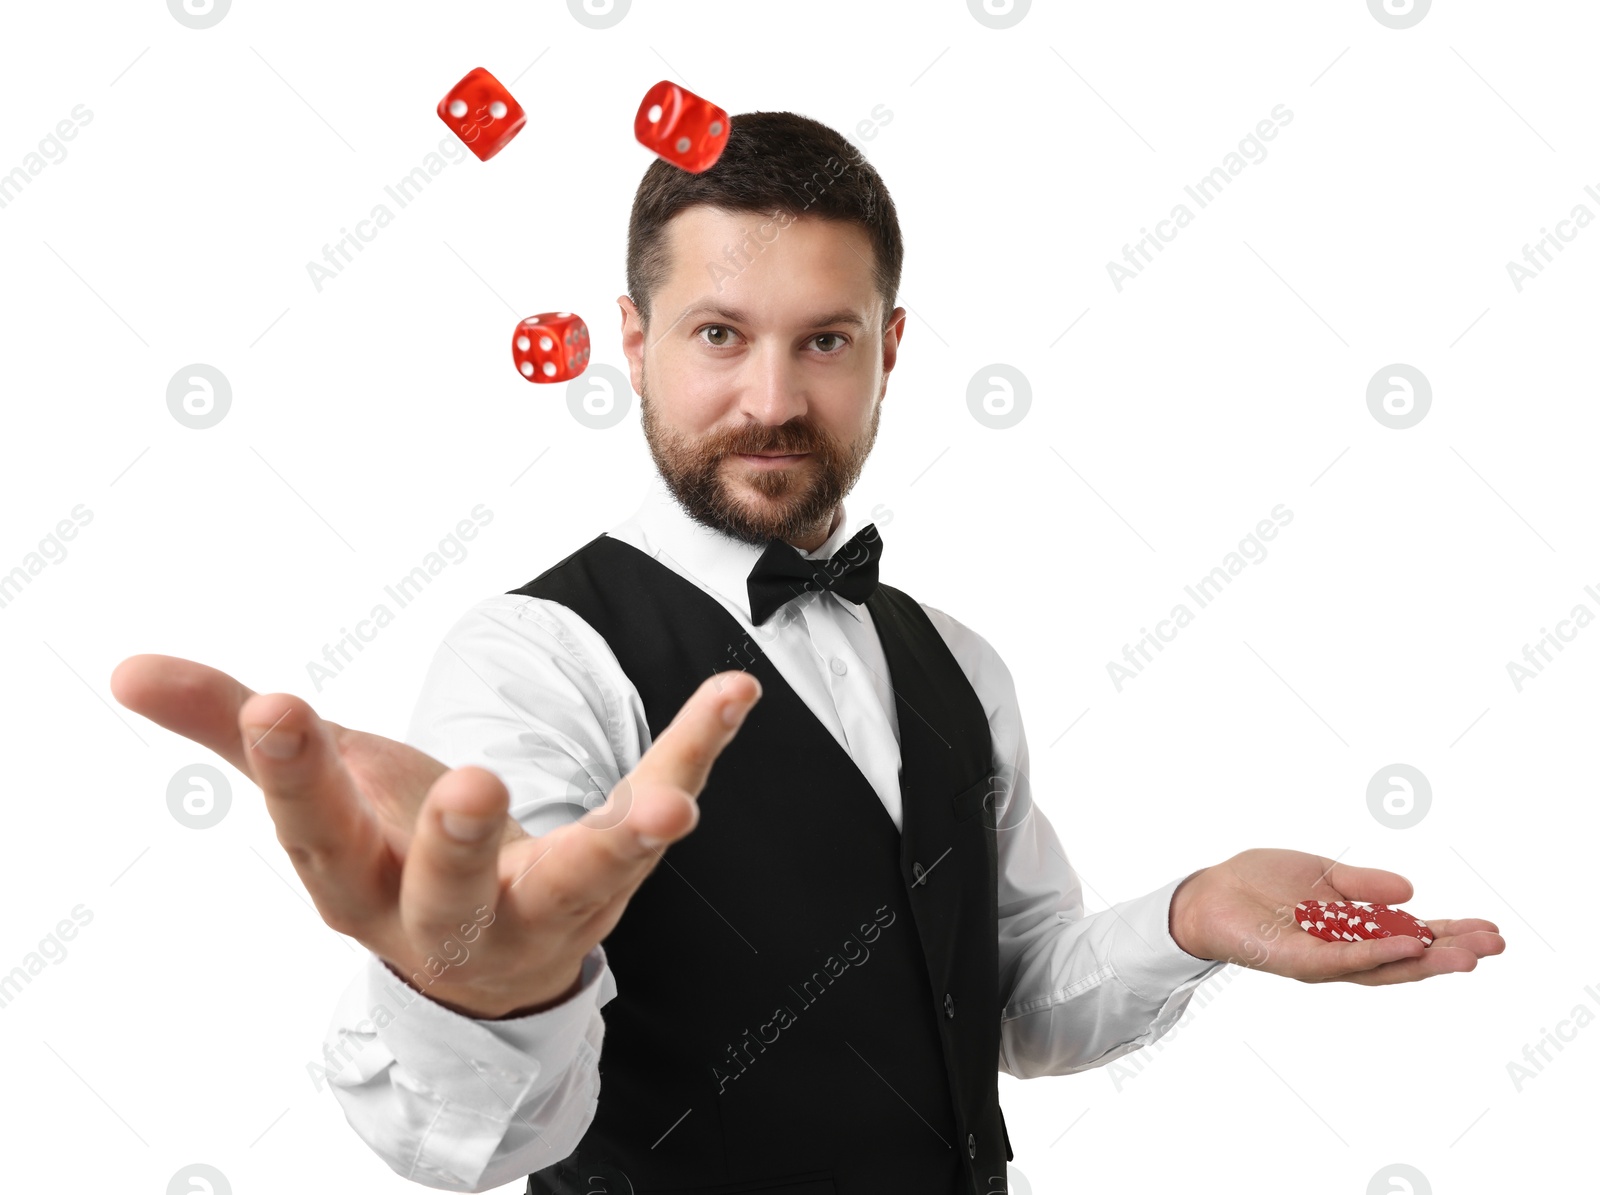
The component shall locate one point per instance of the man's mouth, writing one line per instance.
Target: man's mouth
(771, 459)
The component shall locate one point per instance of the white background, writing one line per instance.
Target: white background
(368, 418)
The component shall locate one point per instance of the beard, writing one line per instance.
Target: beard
(715, 488)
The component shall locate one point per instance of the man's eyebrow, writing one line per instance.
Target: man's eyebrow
(844, 316)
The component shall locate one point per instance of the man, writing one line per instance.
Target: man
(819, 952)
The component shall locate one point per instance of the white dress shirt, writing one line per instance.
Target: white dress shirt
(525, 688)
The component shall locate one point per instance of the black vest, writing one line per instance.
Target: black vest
(807, 999)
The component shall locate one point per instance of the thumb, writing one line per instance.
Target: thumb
(1371, 884)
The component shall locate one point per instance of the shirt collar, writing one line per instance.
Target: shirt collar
(714, 560)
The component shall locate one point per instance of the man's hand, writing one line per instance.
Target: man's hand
(1242, 911)
(422, 863)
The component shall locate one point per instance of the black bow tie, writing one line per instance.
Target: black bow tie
(782, 573)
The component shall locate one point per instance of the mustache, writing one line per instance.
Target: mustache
(786, 448)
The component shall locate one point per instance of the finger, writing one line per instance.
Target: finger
(323, 822)
(1446, 928)
(1370, 884)
(577, 870)
(1314, 960)
(682, 754)
(1481, 942)
(187, 698)
(451, 877)
(1436, 960)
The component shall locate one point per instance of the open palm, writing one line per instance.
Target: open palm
(413, 858)
(1243, 911)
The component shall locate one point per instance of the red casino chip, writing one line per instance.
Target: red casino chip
(1357, 921)
(1313, 917)
(1397, 923)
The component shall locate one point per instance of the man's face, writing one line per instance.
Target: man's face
(775, 348)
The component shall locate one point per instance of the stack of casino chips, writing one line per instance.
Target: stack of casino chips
(1353, 921)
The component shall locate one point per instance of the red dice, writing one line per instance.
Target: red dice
(553, 347)
(482, 113)
(680, 126)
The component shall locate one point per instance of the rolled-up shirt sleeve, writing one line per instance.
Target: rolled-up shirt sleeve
(518, 687)
(461, 1104)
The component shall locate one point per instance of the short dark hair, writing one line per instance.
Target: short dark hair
(773, 162)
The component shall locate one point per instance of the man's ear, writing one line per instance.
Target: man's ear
(893, 334)
(633, 334)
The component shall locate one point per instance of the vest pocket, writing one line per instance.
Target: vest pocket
(973, 799)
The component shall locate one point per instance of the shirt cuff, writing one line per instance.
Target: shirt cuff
(466, 1078)
(1147, 959)
(489, 1066)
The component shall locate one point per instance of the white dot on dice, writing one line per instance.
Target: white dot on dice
(522, 344)
(458, 107)
(549, 368)
(546, 343)
(654, 114)
(527, 369)
(497, 109)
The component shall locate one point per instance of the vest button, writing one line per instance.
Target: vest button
(916, 870)
(972, 1146)
(949, 1005)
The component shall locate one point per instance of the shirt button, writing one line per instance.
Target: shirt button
(972, 1146)
(949, 1005)
(837, 665)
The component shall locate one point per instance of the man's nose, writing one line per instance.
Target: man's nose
(774, 392)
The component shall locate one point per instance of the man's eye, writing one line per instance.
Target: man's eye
(719, 336)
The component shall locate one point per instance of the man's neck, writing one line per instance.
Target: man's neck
(812, 542)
